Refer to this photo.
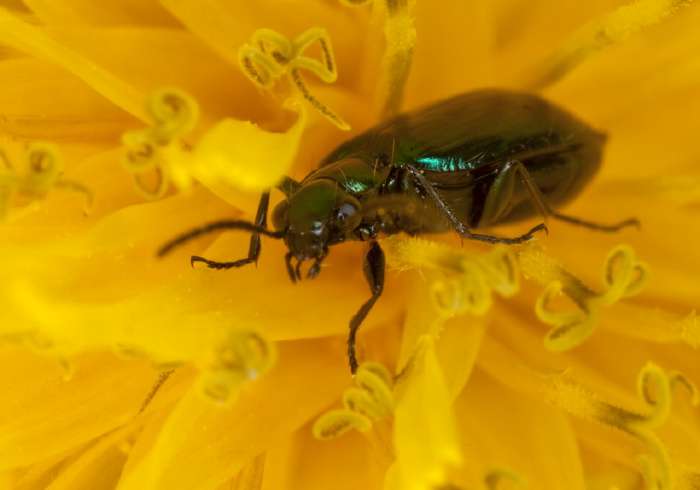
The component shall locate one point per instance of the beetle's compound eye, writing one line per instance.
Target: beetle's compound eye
(280, 216)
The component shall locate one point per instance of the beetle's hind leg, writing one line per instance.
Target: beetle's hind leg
(457, 224)
(494, 208)
(597, 226)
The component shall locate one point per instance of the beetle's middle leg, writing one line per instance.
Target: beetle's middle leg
(373, 267)
(496, 206)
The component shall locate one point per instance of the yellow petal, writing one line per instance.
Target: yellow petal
(240, 154)
(425, 430)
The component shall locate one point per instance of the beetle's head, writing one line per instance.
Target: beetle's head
(319, 214)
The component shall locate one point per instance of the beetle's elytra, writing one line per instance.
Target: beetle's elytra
(472, 161)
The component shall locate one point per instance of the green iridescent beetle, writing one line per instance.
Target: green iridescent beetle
(472, 161)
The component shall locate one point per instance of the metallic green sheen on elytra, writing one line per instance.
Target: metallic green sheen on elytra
(461, 144)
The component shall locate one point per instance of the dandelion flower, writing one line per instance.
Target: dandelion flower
(568, 362)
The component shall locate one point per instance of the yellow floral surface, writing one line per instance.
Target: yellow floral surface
(569, 362)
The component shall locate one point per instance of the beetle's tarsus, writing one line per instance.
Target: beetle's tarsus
(597, 226)
(220, 265)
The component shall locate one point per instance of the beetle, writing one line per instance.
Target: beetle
(472, 161)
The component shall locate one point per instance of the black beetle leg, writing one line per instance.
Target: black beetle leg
(316, 268)
(373, 267)
(543, 206)
(288, 186)
(253, 249)
(290, 268)
(597, 226)
(460, 227)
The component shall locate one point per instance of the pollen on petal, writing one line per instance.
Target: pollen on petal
(602, 32)
(398, 57)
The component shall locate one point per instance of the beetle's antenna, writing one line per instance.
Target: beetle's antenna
(216, 226)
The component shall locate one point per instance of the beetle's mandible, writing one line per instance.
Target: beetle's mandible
(472, 161)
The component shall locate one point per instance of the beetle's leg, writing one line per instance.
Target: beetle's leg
(253, 249)
(597, 226)
(288, 186)
(460, 227)
(502, 189)
(373, 268)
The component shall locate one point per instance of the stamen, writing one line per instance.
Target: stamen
(374, 396)
(600, 33)
(272, 55)
(654, 388)
(172, 112)
(42, 167)
(335, 423)
(496, 475)
(676, 378)
(162, 378)
(372, 399)
(466, 281)
(354, 3)
(35, 41)
(242, 357)
(396, 63)
(623, 277)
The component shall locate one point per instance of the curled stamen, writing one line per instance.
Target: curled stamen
(600, 33)
(654, 388)
(495, 475)
(676, 378)
(373, 398)
(42, 167)
(242, 357)
(335, 423)
(466, 281)
(272, 55)
(623, 276)
(173, 113)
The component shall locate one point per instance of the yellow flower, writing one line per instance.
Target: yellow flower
(490, 366)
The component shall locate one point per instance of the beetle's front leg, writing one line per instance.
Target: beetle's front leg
(373, 268)
(253, 249)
